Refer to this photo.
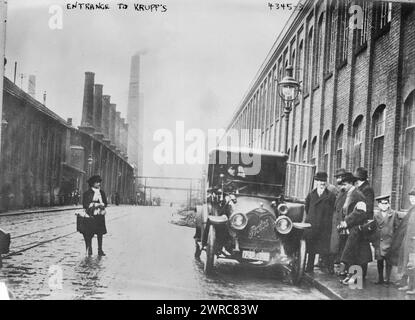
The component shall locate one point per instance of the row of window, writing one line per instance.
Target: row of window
(265, 106)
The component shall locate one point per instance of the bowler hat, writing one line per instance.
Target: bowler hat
(321, 176)
(383, 197)
(340, 172)
(94, 179)
(412, 192)
(360, 173)
(348, 177)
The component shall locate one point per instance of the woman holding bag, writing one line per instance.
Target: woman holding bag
(93, 222)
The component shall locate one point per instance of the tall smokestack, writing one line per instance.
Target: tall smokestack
(32, 86)
(135, 115)
(112, 118)
(97, 111)
(117, 130)
(88, 103)
(105, 125)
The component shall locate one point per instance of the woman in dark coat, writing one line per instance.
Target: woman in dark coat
(319, 207)
(94, 202)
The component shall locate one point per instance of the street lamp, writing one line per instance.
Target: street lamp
(90, 161)
(288, 90)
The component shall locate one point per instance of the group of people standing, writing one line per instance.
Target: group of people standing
(344, 224)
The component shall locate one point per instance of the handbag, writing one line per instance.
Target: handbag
(368, 229)
(83, 222)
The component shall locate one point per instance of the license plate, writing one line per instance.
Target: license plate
(252, 255)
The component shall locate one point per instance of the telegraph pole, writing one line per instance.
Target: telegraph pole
(3, 17)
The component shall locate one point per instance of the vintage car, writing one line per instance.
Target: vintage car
(248, 217)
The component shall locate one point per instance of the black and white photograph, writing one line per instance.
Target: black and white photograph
(232, 151)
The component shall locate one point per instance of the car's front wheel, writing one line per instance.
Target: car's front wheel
(210, 250)
(298, 263)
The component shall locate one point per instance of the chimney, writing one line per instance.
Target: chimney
(117, 130)
(122, 135)
(106, 100)
(32, 86)
(88, 102)
(44, 98)
(112, 117)
(126, 139)
(69, 121)
(97, 110)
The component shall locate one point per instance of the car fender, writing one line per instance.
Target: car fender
(218, 220)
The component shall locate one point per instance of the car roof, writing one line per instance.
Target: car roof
(248, 150)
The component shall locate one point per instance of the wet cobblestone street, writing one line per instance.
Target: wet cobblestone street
(147, 258)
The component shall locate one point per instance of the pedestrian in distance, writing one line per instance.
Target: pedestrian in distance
(93, 222)
(386, 223)
(319, 207)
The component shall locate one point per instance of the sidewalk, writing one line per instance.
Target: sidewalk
(331, 286)
(39, 210)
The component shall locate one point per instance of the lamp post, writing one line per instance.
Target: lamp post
(288, 90)
(90, 161)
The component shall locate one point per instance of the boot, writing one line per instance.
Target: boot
(100, 252)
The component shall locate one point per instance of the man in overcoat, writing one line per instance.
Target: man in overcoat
(319, 207)
(364, 187)
(336, 239)
(357, 248)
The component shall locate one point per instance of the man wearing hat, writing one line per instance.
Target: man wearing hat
(364, 186)
(319, 207)
(356, 249)
(386, 222)
(336, 239)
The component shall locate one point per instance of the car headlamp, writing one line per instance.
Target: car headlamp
(282, 208)
(283, 224)
(239, 221)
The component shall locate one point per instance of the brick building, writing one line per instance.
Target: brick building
(357, 100)
(45, 158)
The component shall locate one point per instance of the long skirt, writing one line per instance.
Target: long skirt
(91, 225)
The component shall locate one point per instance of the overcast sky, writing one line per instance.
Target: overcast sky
(200, 57)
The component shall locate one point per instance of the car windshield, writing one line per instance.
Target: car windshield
(238, 178)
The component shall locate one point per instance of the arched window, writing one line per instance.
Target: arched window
(357, 142)
(309, 62)
(299, 67)
(378, 143)
(304, 151)
(409, 149)
(331, 56)
(295, 154)
(314, 151)
(326, 144)
(339, 147)
(318, 51)
(344, 6)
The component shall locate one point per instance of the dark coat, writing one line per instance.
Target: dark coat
(386, 227)
(94, 224)
(396, 251)
(369, 194)
(357, 247)
(319, 213)
(337, 218)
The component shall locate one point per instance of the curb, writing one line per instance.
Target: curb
(17, 213)
(322, 288)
